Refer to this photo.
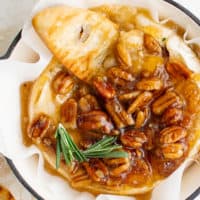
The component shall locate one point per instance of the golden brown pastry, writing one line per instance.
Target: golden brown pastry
(79, 39)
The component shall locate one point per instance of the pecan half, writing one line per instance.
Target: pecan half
(120, 117)
(172, 134)
(63, 83)
(141, 101)
(40, 126)
(69, 113)
(133, 138)
(129, 96)
(173, 151)
(172, 116)
(88, 103)
(178, 70)
(119, 76)
(151, 44)
(149, 84)
(97, 170)
(165, 101)
(118, 166)
(104, 88)
(95, 121)
(141, 117)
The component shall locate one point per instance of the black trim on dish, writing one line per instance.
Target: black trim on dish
(12, 46)
(22, 181)
(9, 51)
(185, 10)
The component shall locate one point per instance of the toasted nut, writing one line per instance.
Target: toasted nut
(88, 103)
(118, 166)
(83, 91)
(178, 70)
(95, 121)
(172, 134)
(151, 44)
(140, 173)
(172, 116)
(104, 88)
(149, 84)
(63, 83)
(39, 127)
(119, 76)
(149, 145)
(129, 96)
(97, 170)
(165, 101)
(69, 113)
(120, 117)
(133, 138)
(141, 101)
(141, 118)
(173, 151)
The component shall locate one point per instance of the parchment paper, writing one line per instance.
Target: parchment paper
(15, 70)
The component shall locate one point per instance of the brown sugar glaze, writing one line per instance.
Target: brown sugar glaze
(150, 110)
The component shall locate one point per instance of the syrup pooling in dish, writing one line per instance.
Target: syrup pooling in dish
(143, 102)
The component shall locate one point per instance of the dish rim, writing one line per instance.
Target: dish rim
(11, 47)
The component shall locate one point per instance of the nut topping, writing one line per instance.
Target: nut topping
(151, 44)
(129, 96)
(178, 70)
(104, 88)
(118, 166)
(165, 101)
(119, 76)
(97, 170)
(150, 84)
(120, 117)
(172, 116)
(133, 138)
(172, 134)
(88, 103)
(39, 127)
(69, 113)
(173, 151)
(63, 83)
(141, 118)
(95, 121)
(141, 101)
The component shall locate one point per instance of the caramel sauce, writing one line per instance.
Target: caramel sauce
(5, 194)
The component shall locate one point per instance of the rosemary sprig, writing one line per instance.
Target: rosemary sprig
(104, 148)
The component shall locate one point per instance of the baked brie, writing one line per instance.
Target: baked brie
(146, 97)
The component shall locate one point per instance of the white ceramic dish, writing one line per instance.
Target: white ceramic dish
(21, 52)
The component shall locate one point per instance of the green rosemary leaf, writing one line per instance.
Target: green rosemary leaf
(74, 150)
(65, 153)
(105, 148)
(117, 154)
(58, 151)
(106, 141)
(66, 146)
